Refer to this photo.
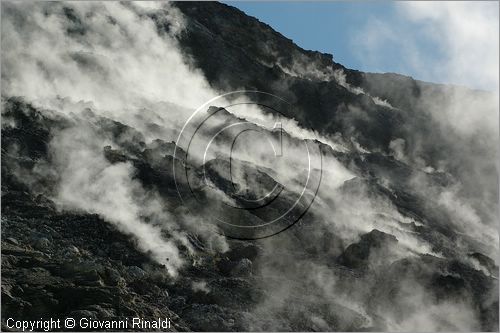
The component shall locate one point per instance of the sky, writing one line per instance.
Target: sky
(432, 42)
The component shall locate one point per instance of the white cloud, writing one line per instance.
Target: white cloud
(116, 63)
(467, 32)
(96, 186)
(464, 34)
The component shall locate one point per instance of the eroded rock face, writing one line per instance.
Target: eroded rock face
(357, 255)
(76, 264)
(317, 275)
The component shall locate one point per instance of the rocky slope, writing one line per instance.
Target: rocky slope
(389, 243)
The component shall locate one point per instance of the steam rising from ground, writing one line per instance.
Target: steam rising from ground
(89, 182)
(112, 59)
(109, 54)
(468, 120)
(109, 58)
(464, 33)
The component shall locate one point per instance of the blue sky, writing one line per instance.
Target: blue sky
(374, 36)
